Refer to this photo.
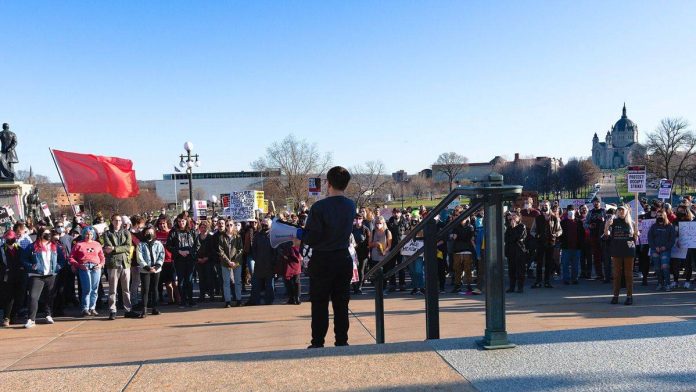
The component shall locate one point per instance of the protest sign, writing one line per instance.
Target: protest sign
(687, 235)
(259, 201)
(643, 228)
(636, 178)
(314, 187)
(5, 216)
(411, 248)
(45, 210)
(665, 191)
(225, 200)
(241, 205)
(564, 203)
(200, 210)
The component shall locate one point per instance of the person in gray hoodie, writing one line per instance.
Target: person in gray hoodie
(661, 239)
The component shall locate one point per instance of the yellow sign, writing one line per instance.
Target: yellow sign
(259, 198)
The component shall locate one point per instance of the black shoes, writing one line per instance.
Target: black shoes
(548, 285)
(629, 301)
(155, 312)
(112, 316)
(315, 346)
(614, 300)
(536, 285)
(510, 290)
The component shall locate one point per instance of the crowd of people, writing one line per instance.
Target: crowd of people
(142, 263)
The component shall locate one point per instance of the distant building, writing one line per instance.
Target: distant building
(426, 173)
(619, 145)
(400, 176)
(170, 187)
(479, 171)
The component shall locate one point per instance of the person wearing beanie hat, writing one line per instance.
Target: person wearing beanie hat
(595, 223)
(12, 277)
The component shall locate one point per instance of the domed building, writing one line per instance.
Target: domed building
(619, 146)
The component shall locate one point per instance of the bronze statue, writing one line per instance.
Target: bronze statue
(8, 155)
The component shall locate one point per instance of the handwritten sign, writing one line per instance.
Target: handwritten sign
(643, 227)
(242, 205)
(564, 203)
(687, 235)
(411, 248)
(636, 178)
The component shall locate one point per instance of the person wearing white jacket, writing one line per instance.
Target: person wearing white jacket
(150, 259)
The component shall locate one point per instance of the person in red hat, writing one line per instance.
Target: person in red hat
(12, 277)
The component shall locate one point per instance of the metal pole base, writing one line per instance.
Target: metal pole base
(495, 341)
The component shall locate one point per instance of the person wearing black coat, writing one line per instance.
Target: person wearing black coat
(516, 252)
(265, 258)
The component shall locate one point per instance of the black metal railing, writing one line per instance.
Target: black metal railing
(489, 196)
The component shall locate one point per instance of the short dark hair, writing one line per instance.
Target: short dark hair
(338, 177)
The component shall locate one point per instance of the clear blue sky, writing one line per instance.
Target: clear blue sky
(400, 81)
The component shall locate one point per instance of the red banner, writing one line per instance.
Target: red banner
(87, 173)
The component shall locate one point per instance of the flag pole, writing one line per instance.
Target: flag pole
(60, 175)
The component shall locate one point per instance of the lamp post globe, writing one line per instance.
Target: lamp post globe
(188, 146)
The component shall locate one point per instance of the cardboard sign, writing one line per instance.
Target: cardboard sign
(314, 187)
(225, 200)
(411, 248)
(200, 210)
(665, 190)
(290, 202)
(643, 228)
(636, 179)
(678, 252)
(687, 235)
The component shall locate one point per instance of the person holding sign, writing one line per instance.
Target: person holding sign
(622, 248)
(328, 230)
(661, 239)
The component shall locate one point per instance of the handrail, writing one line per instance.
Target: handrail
(440, 235)
(420, 226)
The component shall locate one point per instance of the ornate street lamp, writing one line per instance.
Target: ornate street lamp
(189, 161)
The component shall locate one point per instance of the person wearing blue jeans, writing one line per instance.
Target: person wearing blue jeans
(230, 255)
(661, 239)
(87, 257)
(415, 269)
(572, 241)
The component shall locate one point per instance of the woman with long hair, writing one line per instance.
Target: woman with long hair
(622, 248)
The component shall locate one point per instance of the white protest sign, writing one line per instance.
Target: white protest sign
(201, 209)
(242, 205)
(678, 252)
(687, 235)
(665, 191)
(411, 248)
(636, 179)
(45, 210)
(643, 227)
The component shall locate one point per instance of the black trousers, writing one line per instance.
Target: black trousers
(13, 293)
(644, 261)
(41, 287)
(442, 273)
(362, 264)
(329, 280)
(293, 287)
(545, 263)
(402, 273)
(149, 284)
(517, 267)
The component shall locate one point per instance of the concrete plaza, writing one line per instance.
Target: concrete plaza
(569, 338)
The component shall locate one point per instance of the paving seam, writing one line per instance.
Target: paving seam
(135, 373)
(42, 347)
(363, 325)
(471, 384)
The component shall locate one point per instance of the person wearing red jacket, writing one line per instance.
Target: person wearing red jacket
(87, 258)
(167, 276)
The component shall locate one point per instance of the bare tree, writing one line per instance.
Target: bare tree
(297, 160)
(451, 165)
(419, 186)
(671, 148)
(368, 182)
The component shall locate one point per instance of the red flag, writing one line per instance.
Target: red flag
(87, 173)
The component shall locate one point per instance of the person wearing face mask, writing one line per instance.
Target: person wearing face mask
(117, 247)
(683, 215)
(595, 223)
(621, 231)
(150, 256)
(398, 225)
(546, 230)
(87, 258)
(265, 258)
(137, 224)
(362, 236)
(64, 279)
(12, 278)
(572, 241)
(661, 239)
(42, 262)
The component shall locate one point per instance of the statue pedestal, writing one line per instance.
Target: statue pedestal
(13, 194)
